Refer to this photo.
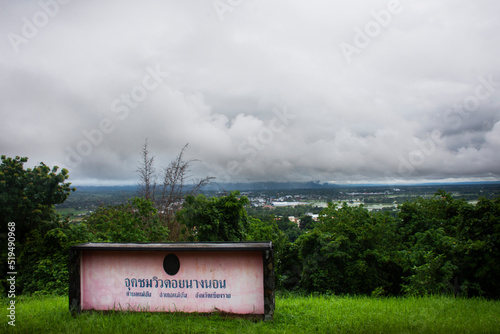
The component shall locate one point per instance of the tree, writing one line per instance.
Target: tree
(44, 259)
(147, 171)
(215, 219)
(480, 239)
(136, 221)
(451, 246)
(430, 250)
(28, 196)
(266, 231)
(27, 199)
(288, 267)
(350, 251)
(323, 263)
(45, 255)
(306, 223)
(176, 183)
(288, 227)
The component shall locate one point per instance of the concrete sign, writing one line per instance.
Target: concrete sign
(235, 278)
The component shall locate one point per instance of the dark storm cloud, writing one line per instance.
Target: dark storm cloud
(385, 91)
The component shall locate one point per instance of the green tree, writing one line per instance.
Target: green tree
(44, 257)
(28, 196)
(136, 221)
(479, 232)
(322, 262)
(350, 251)
(44, 260)
(287, 272)
(431, 262)
(27, 199)
(306, 223)
(215, 219)
(288, 267)
(290, 228)
(176, 183)
(451, 246)
(266, 231)
(431, 248)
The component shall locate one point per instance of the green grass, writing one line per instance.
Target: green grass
(292, 315)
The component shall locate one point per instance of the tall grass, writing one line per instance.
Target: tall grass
(389, 315)
(310, 314)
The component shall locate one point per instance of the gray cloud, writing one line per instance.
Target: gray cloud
(265, 93)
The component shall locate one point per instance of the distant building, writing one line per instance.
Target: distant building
(289, 203)
(294, 219)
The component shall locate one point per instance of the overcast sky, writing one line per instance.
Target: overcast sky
(334, 91)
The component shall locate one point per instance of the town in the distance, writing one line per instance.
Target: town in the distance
(292, 200)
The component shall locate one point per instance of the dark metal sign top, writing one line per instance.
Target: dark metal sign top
(177, 246)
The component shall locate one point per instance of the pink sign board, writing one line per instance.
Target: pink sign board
(172, 280)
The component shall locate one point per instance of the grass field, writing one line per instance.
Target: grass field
(293, 315)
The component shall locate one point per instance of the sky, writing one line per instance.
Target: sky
(331, 91)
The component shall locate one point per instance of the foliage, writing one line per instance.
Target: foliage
(215, 219)
(44, 258)
(137, 221)
(176, 183)
(479, 232)
(28, 196)
(281, 214)
(306, 223)
(432, 275)
(266, 231)
(269, 231)
(350, 251)
(288, 227)
(322, 268)
(438, 245)
(451, 246)
(288, 268)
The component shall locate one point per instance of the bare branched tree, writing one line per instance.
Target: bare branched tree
(146, 170)
(177, 183)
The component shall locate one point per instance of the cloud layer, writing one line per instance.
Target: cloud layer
(385, 91)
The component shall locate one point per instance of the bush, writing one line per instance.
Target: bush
(136, 221)
(44, 259)
(351, 251)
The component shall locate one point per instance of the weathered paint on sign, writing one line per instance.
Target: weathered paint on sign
(230, 282)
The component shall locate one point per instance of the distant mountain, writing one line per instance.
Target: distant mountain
(254, 186)
(215, 186)
(323, 185)
(266, 186)
(105, 188)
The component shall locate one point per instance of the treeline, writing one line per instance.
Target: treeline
(437, 245)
